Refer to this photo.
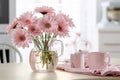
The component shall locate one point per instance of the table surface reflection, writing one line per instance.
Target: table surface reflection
(22, 71)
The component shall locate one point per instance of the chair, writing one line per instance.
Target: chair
(9, 53)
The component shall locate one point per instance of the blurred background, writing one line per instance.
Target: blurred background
(96, 21)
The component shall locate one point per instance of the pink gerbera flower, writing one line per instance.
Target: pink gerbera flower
(68, 21)
(63, 26)
(44, 10)
(47, 23)
(34, 30)
(62, 30)
(12, 25)
(27, 18)
(21, 38)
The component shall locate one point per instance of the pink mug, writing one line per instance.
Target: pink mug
(77, 60)
(98, 60)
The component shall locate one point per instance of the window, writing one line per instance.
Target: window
(4, 11)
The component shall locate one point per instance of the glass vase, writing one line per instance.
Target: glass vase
(38, 65)
(46, 60)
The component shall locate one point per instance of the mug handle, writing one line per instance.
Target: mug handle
(108, 58)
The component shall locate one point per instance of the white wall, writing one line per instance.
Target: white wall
(23, 6)
(99, 10)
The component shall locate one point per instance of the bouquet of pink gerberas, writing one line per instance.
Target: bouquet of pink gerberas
(40, 27)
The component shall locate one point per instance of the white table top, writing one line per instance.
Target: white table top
(22, 71)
